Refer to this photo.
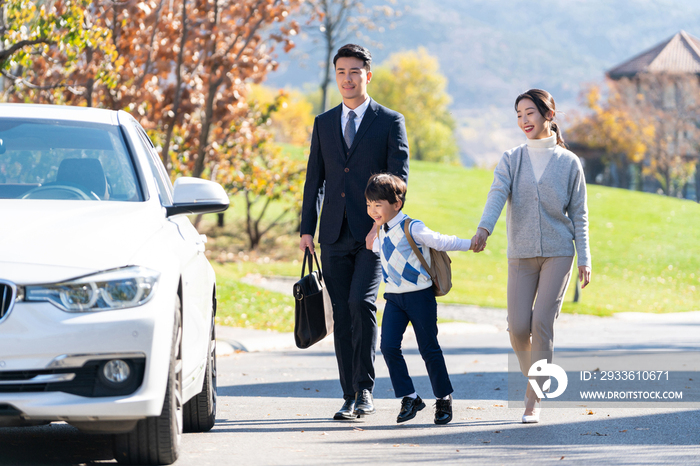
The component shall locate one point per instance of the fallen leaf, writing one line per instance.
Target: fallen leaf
(358, 429)
(498, 406)
(302, 431)
(474, 407)
(457, 451)
(475, 361)
(307, 388)
(496, 431)
(589, 412)
(561, 458)
(624, 430)
(323, 433)
(486, 441)
(497, 388)
(414, 445)
(317, 390)
(395, 445)
(596, 434)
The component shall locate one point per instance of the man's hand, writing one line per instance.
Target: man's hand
(369, 239)
(307, 241)
(479, 239)
(584, 275)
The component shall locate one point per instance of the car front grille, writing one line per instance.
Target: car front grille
(7, 298)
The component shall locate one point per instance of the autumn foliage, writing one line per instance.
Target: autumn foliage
(182, 68)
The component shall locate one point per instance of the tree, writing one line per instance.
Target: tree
(651, 121)
(611, 127)
(260, 172)
(672, 103)
(412, 84)
(42, 49)
(291, 123)
(339, 20)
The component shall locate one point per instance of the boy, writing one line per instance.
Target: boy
(409, 295)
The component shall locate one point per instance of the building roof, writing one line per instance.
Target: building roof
(678, 55)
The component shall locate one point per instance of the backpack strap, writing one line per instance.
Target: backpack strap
(421, 258)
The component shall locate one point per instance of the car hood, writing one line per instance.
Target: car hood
(45, 241)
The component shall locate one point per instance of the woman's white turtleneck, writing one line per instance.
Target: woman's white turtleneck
(540, 151)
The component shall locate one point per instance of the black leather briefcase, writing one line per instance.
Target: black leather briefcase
(313, 311)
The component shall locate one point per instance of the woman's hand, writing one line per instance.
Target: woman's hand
(479, 239)
(584, 275)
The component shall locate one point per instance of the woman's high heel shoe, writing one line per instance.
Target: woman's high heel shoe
(532, 407)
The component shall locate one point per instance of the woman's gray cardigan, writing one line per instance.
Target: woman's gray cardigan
(544, 218)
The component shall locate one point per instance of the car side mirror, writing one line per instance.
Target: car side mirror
(197, 196)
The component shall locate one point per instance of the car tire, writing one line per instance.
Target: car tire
(156, 440)
(200, 411)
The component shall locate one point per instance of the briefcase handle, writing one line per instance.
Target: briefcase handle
(307, 257)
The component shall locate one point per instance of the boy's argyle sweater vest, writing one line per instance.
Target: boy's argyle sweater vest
(401, 269)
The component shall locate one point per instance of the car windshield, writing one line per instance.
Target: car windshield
(48, 159)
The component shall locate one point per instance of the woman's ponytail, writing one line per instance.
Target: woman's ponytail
(557, 131)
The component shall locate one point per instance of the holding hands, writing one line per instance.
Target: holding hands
(479, 240)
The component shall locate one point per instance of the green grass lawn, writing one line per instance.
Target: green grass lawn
(642, 247)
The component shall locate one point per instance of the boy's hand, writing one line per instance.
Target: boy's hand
(369, 239)
(473, 244)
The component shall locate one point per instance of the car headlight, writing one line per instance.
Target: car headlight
(105, 291)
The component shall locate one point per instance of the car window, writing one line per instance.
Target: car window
(48, 159)
(165, 187)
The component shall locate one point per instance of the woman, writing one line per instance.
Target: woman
(544, 185)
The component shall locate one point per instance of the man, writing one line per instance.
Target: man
(350, 143)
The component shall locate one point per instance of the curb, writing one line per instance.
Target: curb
(230, 340)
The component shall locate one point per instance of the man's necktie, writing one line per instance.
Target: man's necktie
(350, 129)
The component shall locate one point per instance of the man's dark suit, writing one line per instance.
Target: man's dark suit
(337, 176)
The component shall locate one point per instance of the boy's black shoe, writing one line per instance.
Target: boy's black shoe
(443, 411)
(409, 408)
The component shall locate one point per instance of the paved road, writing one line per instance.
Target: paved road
(276, 403)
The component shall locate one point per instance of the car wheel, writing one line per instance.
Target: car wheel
(156, 440)
(200, 411)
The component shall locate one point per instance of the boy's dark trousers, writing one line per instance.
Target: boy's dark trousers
(419, 308)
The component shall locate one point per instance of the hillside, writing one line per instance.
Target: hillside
(491, 51)
(642, 245)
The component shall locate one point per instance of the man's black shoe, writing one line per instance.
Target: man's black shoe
(409, 408)
(347, 412)
(443, 411)
(364, 404)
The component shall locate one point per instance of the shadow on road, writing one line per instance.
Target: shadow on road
(54, 444)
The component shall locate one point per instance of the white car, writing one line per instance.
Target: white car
(107, 301)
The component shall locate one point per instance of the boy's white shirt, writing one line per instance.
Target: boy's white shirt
(394, 267)
(423, 235)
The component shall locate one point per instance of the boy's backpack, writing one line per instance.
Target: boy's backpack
(440, 272)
